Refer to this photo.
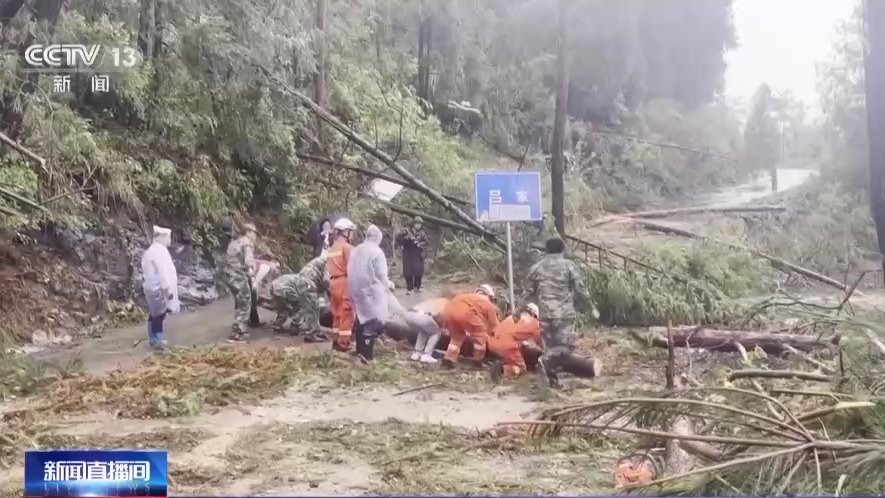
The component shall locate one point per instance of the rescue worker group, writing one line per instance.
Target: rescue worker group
(361, 300)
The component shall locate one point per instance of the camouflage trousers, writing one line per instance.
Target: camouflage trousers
(241, 290)
(299, 303)
(559, 341)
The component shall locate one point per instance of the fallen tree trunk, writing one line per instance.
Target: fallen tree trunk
(726, 340)
(778, 374)
(21, 149)
(664, 213)
(778, 263)
(375, 174)
(576, 365)
(386, 159)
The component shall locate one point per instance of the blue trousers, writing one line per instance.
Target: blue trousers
(155, 331)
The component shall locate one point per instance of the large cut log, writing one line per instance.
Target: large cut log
(726, 340)
(400, 331)
(578, 366)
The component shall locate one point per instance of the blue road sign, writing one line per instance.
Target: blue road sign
(508, 196)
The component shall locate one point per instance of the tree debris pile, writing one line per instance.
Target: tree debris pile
(696, 283)
(726, 440)
(178, 383)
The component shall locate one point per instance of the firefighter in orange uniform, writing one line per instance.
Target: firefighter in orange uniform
(506, 343)
(339, 296)
(471, 315)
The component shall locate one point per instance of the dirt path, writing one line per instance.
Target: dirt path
(125, 347)
(321, 440)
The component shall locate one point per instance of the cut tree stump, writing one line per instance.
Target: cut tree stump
(724, 340)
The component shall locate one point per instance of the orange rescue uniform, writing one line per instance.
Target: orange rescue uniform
(505, 343)
(339, 296)
(472, 315)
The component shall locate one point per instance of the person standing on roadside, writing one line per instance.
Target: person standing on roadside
(557, 283)
(239, 270)
(369, 287)
(323, 238)
(160, 286)
(413, 241)
(339, 294)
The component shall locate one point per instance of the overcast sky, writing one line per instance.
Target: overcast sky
(780, 42)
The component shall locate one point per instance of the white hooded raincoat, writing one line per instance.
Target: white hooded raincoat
(367, 278)
(160, 277)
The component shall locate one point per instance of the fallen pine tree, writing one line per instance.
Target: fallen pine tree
(725, 340)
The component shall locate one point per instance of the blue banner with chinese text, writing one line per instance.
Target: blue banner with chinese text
(95, 473)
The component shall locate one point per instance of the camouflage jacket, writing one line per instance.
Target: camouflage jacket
(240, 257)
(554, 283)
(315, 271)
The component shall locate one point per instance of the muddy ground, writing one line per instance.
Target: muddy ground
(393, 427)
(352, 429)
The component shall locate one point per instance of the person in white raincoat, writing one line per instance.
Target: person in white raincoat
(369, 287)
(160, 285)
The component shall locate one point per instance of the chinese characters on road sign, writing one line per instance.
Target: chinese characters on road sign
(508, 196)
(96, 471)
(99, 83)
(500, 211)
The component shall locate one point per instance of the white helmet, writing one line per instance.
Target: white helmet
(533, 309)
(486, 289)
(343, 224)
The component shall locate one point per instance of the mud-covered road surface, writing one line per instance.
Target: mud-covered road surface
(323, 439)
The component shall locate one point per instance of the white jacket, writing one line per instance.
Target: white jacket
(367, 278)
(160, 280)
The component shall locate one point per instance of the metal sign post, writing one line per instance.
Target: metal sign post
(510, 268)
(508, 196)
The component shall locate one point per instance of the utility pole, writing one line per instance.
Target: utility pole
(557, 166)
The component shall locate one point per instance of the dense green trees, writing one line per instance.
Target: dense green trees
(762, 136)
(199, 128)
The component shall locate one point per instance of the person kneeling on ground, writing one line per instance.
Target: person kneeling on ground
(295, 296)
(426, 318)
(369, 286)
(506, 343)
(471, 315)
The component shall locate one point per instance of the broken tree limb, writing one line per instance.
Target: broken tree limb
(664, 213)
(778, 263)
(665, 145)
(827, 369)
(435, 220)
(383, 157)
(778, 374)
(624, 257)
(724, 340)
(21, 149)
(374, 174)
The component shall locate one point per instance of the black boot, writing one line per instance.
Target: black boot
(254, 320)
(496, 371)
(365, 348)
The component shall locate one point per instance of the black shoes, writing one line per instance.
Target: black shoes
(448, 365)
(548, 373)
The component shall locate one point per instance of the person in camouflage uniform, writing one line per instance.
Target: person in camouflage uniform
(555, 282)
(295, 296)
(239, 269)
